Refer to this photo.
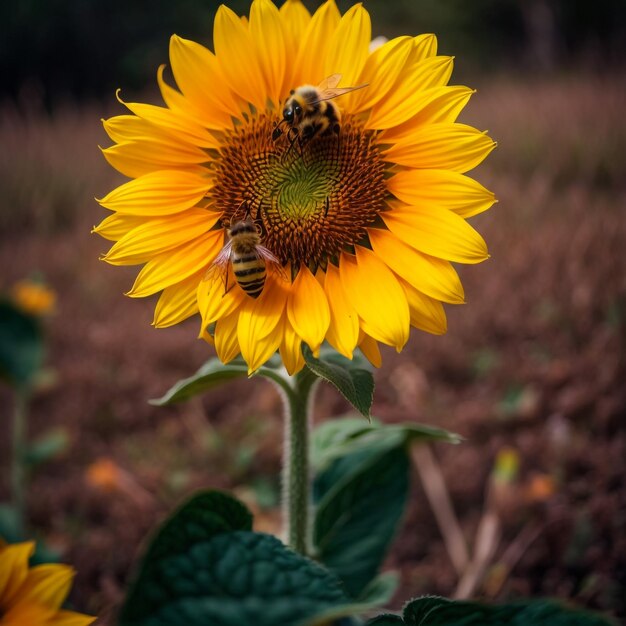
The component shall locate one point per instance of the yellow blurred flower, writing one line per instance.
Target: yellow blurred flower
(365, 221)
(33, 297)
(33, 596)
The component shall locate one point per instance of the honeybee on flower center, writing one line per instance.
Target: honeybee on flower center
(247, 256)
(310, 111)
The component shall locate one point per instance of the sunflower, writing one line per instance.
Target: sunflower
(33, 596)
(362, 222)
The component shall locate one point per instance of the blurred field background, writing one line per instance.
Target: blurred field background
(533, 364)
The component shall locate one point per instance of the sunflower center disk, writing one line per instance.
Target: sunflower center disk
(311, 200)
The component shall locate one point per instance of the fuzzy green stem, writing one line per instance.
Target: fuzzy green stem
(18, 473)
(296, 480)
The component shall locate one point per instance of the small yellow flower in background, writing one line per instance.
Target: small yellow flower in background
(33, 297)
(33, 596)
(359, 203)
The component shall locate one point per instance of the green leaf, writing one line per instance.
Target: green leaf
(333, 433)
(361, 498)
(46, 447)
(337, 438)
(434, 611)
(204, 567)
(21, 345)
(380, 590)
(202, 517)
(386, 620)
(214, 373)
(361, 489)
(352, 378)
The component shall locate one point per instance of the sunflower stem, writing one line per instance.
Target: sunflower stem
(18, 474)
(296, 471)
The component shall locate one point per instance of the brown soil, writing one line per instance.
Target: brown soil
(533, 361)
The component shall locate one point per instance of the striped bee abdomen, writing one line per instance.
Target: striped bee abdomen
(249, 272)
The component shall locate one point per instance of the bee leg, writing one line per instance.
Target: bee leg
(292, 139)
(327, 206)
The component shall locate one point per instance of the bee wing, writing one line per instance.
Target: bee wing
(329, 83)
(263, 253)
(220, 263)
(328, 88)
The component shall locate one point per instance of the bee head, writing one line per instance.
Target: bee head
(292, 111)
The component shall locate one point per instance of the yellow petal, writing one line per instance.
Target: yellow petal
(265, 348)
(442, 234)
(226, 341)
(31, 614)
(184, 106)
(343, 331)
(13, 568)
(177, 302)
(159, 234)
(426, 313)
(348, 48)
(407, 96)
(295, 19)
(380, 72)
(45, 585)
(307, 309)
(291, 349)
(136, 158)
(431, 275)
(310, 64)
(257, 321)
(441, 188)
(424, 46)
(122, 128)
(173, 266)
(456, 147)
(439, 104)
(236, 53)
(218, 296)
(370, 350)
(159, 193)
(179, 126)
(198, 75)
(70, 618)
(266, 29)
(374, 291)
(117, 225)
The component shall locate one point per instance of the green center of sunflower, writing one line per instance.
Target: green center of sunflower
(312, 199)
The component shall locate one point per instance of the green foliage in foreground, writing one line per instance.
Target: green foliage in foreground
(205, 566)
(434, 611)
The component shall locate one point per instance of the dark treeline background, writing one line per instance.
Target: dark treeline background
(87, 48)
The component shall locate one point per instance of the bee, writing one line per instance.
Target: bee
(309, 111)
(247, 257)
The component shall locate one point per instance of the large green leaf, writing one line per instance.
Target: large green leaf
(21, 345)
(204, 567)
(352, 378)
(361, 489)
(434, 611)
(214, 373)
(361, 498)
